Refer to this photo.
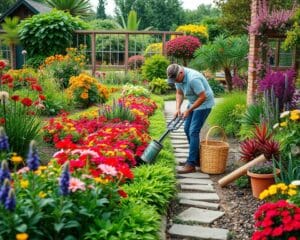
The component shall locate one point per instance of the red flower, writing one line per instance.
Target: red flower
(122, 193)
(15, 97)
(36, 88)
(2, 65)
(2, 121)
(26, 102)
(42, 97)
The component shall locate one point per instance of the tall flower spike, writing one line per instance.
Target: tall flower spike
(64, 180)
(10, 203)
(4, 190)
(4, 171)
(4, 145)
(33, 159)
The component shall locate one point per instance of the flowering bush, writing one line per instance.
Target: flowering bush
(277, 20)
(182, 47)
(199, 31)
(278, 192)
(279, 220)
(136, 62)
(282, 83)
(152, 49)
(86, 90)
(62, 67)
(137, 91)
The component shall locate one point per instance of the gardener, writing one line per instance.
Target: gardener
(193, 85)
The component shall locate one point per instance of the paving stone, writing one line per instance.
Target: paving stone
(180, 161)
(211, 197)
(181, 150)
(179, 141)
(198, 232)
(194, 175)
(179, 137)
(198, 187)
(201, 204)
(181, 145)
(199, 215)
(194, 181)
(181, 155)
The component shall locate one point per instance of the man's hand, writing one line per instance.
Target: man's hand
(177, 114)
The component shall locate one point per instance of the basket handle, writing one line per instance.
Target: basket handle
(222, 131)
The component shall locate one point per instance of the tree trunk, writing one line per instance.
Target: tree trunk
(228, 79)
(12, 48)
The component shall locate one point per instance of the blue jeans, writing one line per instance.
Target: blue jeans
(192, 128)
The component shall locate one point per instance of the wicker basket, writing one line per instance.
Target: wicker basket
(213, 154)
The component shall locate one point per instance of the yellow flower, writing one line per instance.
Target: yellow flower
(22, 236)
(101, 180)
(283, 124)
(84, 95)
(263, 194)
(292, 192)
(24, 183)
(42, 194)
(294, 116)
(272, 190)
(16, 159)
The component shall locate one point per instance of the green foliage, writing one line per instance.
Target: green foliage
(153, 185)
(134, 221)
(293, 35)
(159, 86)
(80, 8)
(227, 113)
(35, 61)
(6, 4)
(101, 9)
(242, 182)
(155, 67)
(223, 53)
(263, 168)
(10, 26)
(49, 33)
(198, 15)
(104, 24)
(252, 117)
(122, 78)
(216, 87)
(117, 111)
(214, 27)
(290, 168)
(129, 89)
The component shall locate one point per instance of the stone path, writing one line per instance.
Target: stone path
(196, 194)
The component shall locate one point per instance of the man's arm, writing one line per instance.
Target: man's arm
(179, 100)
(201, 98)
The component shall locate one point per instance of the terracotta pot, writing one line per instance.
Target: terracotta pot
(260, 182)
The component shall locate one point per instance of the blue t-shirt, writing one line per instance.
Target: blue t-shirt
(192, 85)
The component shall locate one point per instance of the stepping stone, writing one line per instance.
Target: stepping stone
(194, 181)
(198, 232)
(181, 155)
(200, 204)
(211, 197)
(199, 215)
(179, 141)
(180, 161)
(181, 145)
(193, 175)
(181, 150)
(182, 137)
(197, 187)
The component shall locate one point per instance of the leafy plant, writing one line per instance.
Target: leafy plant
(242, 182)
(261, 143)
(183, 48)
(49, 33)
(153, 49)
(216, 87)
(263, 168)
(158, 86)
(138, 91)
(155, 67)
(117, 111)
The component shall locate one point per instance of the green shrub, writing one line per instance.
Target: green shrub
(242, 182)
(49, 33)
(137, 91)
(159, 86)
(121, 78)
(117, 111)
(227, 113)
(216, 86)
(251, 118)
(153, 185)
(155, 67)
(35, 61)
(134, 221)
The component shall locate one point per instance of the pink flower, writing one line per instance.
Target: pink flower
(75, 184)
(107, 169)
(23, 170)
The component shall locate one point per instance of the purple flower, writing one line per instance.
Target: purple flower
(33, 159)
(4, 145)
(10, 203)
(4, 171)
(4, 190)
(64, 180)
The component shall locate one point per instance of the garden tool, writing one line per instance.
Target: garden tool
(155, 146)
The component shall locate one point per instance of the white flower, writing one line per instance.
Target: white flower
(75, 184)
(276, 125)
(284, 114)
(296, 182)
(4, 97)
(24, 52)
(107, 169)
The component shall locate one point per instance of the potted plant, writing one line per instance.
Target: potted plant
(262, 176)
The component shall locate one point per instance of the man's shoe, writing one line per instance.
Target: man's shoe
(187, 169)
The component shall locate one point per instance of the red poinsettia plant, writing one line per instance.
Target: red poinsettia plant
(277, 221)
